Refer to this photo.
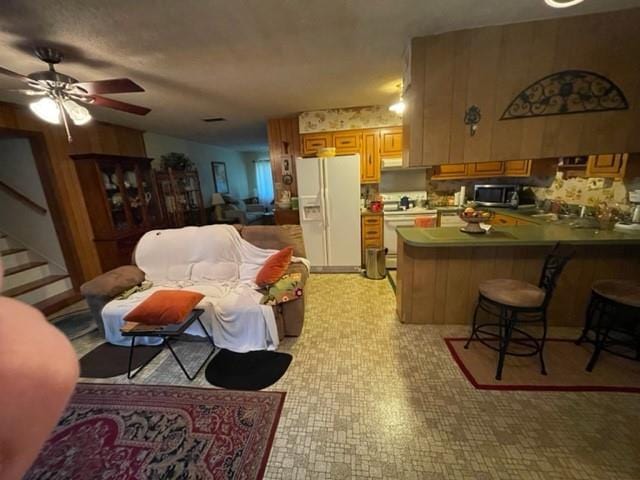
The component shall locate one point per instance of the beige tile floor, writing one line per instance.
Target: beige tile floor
(368, 397)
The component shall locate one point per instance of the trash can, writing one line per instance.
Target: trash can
(375, 268)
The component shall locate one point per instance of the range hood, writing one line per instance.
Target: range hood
(394, 164)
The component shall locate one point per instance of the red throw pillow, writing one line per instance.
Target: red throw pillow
(164, 307)
(275, 267)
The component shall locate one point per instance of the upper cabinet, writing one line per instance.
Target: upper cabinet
(611, 165)
(391, 142)
(347, 142)
(370, 157)
(543, 167)
(312, 142)
(372, 144)
(491, 67)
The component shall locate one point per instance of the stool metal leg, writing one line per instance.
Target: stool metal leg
(543, 368)
(473, 325)
(588, 321)
(506, 325)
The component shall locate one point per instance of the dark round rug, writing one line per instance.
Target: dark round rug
(108, 360)
(247, 371)
(75, 325)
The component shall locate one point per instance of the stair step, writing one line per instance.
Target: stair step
(5, 243)
(28, 287)
(12, 251)
(58, 302)
(26, 273)
(23, 267)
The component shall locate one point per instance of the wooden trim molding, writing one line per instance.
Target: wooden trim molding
(12, 192)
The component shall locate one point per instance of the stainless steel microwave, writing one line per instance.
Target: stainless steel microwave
(494, 195)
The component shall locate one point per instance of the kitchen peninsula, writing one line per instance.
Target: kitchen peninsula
(439, 269)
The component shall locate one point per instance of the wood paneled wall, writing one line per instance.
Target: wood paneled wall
(489, 66)
(284, 139)
(60, 182)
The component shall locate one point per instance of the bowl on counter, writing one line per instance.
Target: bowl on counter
(474, 218)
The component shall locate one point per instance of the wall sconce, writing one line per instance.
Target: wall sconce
(472, 118)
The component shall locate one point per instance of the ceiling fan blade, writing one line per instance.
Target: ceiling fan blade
(114, 85)
(117, 105)
(10, 73)
(27, 92)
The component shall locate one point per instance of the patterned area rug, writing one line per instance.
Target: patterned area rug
(128, 432)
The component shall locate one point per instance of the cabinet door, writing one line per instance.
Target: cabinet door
(517, 168)
(610, 165)
(370, 158)
(347, 142)
(391, 142)
(450, 171)
(311, 142)
(500, 219)
(486, 169)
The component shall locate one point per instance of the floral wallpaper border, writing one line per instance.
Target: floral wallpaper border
(374, 116)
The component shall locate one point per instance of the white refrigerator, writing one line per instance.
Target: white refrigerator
(329, 202)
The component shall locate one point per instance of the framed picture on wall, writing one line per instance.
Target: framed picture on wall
(220, 181)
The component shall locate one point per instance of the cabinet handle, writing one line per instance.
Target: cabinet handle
(344, 142)
(369, 159)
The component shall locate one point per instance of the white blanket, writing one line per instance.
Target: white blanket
(215, 261)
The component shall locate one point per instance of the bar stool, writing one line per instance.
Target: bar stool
(514, 302)
(613, 315)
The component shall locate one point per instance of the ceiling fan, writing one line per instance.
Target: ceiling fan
(63, 96)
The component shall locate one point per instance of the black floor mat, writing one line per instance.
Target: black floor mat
(247, 371)
(108, 360)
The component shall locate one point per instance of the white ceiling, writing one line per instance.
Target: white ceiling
(245, 60)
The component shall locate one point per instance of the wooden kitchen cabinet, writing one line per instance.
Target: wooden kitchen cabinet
(371, 144)
(311, 142)
(608, 166)
(485, 169)
(508, 220)
(450, 171)
(370, 157)
(371, 232)
(517, 168)
(391, 142)
(347, 142)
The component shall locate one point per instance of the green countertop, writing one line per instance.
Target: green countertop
(521, 235)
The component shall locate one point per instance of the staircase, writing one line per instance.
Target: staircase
(31, 279)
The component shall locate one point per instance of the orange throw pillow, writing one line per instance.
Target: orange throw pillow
(164, 307)
(275, 267)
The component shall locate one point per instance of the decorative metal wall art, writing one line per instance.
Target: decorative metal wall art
(562, 93)
(472, 118)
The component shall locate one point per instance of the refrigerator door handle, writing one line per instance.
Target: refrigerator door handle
(325, 210)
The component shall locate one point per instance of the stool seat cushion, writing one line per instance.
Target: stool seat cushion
(621, 291)
(513, 293)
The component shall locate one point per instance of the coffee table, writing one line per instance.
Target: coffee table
(168, 333)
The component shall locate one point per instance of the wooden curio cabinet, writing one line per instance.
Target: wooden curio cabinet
(181, 197)
(122, 202)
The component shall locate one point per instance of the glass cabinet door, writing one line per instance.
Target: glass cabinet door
(115, 196)
(133, 195)
(152, 209)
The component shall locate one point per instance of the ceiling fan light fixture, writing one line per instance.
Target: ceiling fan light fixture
(78, 114)
(562, 3)
(46, 109)
(398, 107)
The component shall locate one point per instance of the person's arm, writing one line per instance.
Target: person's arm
(38, 373)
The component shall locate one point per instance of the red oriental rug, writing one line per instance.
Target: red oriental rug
(565, 363)
(128, 432)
